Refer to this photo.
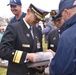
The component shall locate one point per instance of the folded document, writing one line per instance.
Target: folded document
(45, 58)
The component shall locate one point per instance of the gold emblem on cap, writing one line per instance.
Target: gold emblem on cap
(38, 15)
(53, 13)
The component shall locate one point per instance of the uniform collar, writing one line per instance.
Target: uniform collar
(28, 26)
(68, 23)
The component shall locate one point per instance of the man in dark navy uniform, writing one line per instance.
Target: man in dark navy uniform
(53, 36)
(16, 9)
(19, 44)
(47, 28)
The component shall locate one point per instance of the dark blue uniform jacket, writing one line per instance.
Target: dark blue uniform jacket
(17, 41)
(64, 62)
(16, 20)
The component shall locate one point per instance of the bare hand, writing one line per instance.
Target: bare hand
(49, 50)
(31, 56)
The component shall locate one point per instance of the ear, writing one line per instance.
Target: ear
(28, 10)
(20, 6)
(67, 12)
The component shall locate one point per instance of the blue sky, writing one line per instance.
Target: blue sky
(47, 5)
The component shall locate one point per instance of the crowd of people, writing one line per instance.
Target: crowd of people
(22, 39)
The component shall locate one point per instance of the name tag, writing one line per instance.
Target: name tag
(51, 45)
(25, 45)
(38, 45)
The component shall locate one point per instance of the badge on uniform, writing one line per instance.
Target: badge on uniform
(26, 45)
(38, 43)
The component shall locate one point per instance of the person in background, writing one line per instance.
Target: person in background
(7, 20)
(1, 33)
(20, 42)
(53, 36)
(64, 61)
(38, 26)
(3, 62)
(16, 9)
(47, 28)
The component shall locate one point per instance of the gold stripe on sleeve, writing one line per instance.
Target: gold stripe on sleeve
(17, 56)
